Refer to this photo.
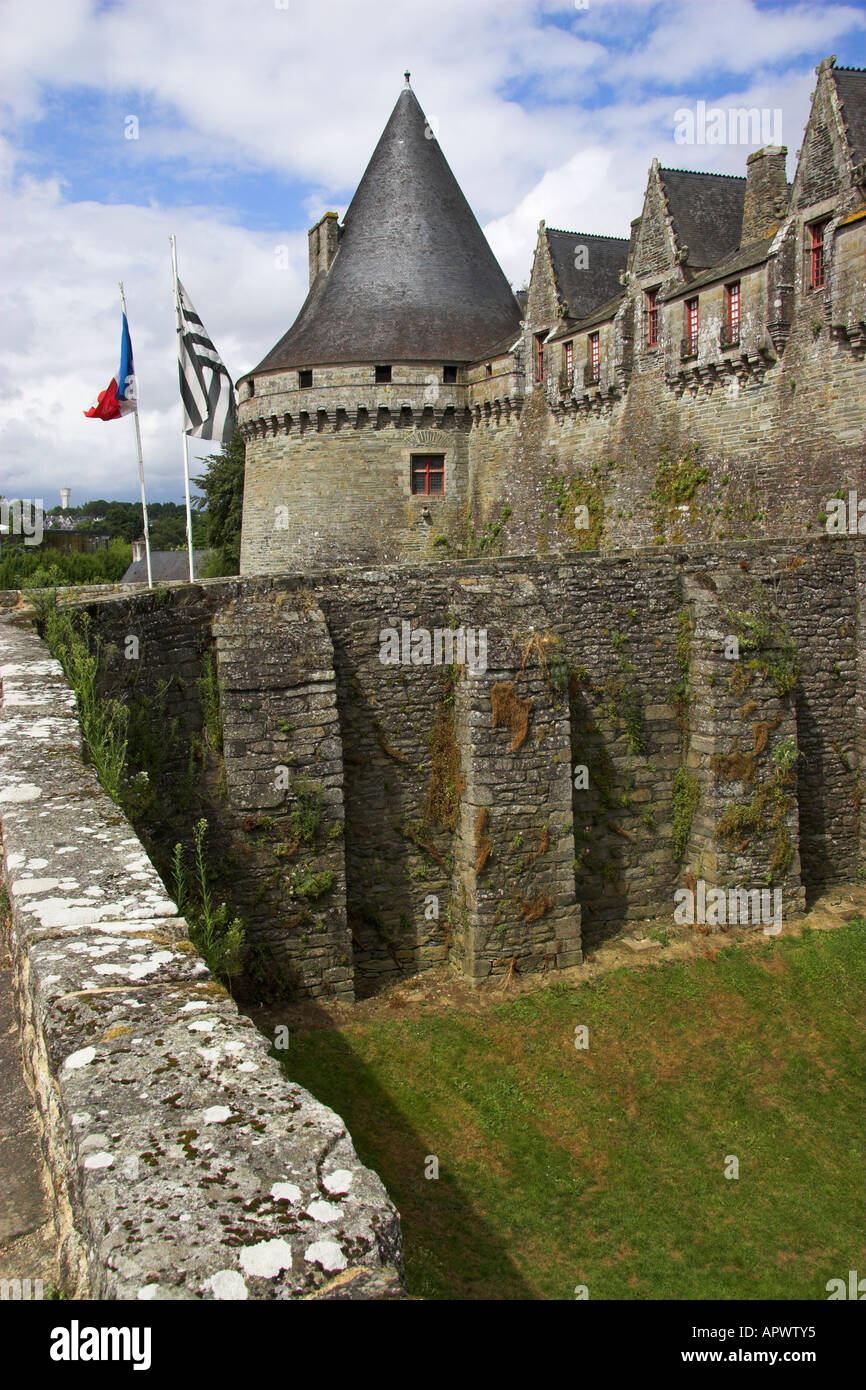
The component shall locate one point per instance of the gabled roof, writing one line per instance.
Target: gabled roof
(851, 88)
(707, 213)
(583, 290)
(164, 565)
(413, 278)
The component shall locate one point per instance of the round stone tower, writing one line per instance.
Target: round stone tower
(357, 423)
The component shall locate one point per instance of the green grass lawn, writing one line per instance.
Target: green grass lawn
(606, 1167)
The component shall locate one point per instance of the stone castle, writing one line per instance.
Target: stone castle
(700, 387)
(701, 379)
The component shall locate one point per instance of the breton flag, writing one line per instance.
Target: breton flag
(119, 397)
(206, 389)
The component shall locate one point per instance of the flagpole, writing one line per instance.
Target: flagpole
(120, 386)
(184, 436)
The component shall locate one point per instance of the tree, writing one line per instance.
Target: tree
(223, 489)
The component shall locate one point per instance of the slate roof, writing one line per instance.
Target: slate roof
(164, 565)
(603, 314)
(752, 254)
(584, 290)
(413, 277)
(851, 88)
(707, 213)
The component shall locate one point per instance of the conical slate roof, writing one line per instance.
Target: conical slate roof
(413, 278)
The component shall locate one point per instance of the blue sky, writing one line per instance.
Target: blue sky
(255, 116)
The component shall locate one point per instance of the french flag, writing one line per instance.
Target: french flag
(118, 398)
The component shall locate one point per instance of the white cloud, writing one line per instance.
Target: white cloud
(300, 95)
(706, 39)
(61, 263)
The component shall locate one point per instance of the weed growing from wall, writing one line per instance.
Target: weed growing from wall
(675, 486)
(306, 882)
(104, 722)
(209, 694)
(765, 647)
(306, 815)
(624, 700)
(219, 938)
(491, 540)
(682, 691)
(580, 507)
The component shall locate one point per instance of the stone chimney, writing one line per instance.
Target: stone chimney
(137, 551)
(324, 238)
(634, 231)
(766, 193)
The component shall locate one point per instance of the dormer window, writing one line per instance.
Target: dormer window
(383, 376)
(488, 368)
(305, 379)
(449, 376)
(817, 263)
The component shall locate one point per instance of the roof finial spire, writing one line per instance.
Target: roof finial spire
(407, 75)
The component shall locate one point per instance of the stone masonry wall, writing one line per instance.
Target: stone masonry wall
(283, 762)
(860, 700)
(592, 644)
(184, 1164)
(328, 471)
(776, 442)
(742, 746)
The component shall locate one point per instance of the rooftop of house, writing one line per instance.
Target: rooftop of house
(585, 282)
(851, 88)
(413, 278)
(707, 213)
(165, 565)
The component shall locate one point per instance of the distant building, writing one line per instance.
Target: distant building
(165, 565)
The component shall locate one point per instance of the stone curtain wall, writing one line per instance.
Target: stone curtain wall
(221, 709)
(430, 786)
(284, 768)
(817, 590)
(860, 698)
(458, 839)
(777, 443)
(514, 906)
(184, 1164)
(745, 830)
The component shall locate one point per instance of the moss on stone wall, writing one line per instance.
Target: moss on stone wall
(580, 509)
(442, 805)
(686, 796)
(766, 646)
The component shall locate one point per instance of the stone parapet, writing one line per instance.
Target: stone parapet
(184, 1164)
